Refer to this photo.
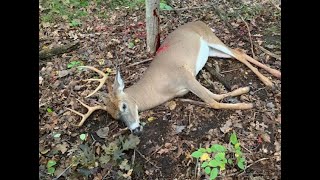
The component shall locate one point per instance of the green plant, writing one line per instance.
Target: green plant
(50, 167)
(237, 149)
(74, 64)
(63, 10)
(112, 154)
(213, 159)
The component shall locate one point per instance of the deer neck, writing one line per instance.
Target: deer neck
(143, 94)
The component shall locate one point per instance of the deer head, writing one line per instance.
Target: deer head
(117, 103)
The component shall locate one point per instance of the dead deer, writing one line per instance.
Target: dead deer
(172, 73)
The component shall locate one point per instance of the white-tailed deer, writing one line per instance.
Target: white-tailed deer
(172, 73)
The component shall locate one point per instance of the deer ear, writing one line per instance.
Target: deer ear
(118, 84)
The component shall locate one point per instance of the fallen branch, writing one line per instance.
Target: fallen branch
(218, 76)
(250, 38)
(47, 53)
(140, 62)
(269, 53)
(62, 172)
(262, 159)
(147, 159)
(194, 102)
(188, 8)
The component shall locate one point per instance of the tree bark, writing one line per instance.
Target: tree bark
(45, 54)
(152, 25)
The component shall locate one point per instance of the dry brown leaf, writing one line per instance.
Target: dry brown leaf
(226, 127)
(265, 137)
(103, 132)
(62, 147)
(171, 104)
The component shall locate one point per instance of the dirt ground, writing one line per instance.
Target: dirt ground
(164, 149)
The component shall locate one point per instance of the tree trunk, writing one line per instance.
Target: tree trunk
(152, 25)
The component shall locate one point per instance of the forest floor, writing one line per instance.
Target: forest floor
(113, 32)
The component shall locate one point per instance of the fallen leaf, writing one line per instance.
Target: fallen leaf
(164, 150)
(172, 105)
(62, 147)
(226, 127)
(63, 73)
(265, 137)
(83, 137)
(103, 132)
(151, 119)
(109, 55)
(40, 80)
(179, 129)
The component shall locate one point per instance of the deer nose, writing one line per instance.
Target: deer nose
(137, 131)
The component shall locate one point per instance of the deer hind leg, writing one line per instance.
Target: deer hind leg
(203, 93)
(218, 50)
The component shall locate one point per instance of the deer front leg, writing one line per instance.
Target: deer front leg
(203, 93)
(236, 92)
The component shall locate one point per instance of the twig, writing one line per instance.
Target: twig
(47, 53)
(133, 157)
(193, 102)
(262, 159)
(254, 56)
(147, 159)
(245, 148)
(94, 140)
(269, 53)
(277, 6)
(188, 8)
(258, 90)
(62, 172)
(140, 62)
(121, 131)
(238, 174)
(229, 71)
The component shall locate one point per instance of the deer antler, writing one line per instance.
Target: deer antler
(89, 112)
(102, 80)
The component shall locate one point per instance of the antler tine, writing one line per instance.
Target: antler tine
(102, 80)
(89, 112)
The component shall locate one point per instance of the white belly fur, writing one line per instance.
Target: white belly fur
(212, 50)
(202, 56)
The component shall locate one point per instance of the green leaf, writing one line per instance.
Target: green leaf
(241, 165)
(242, 159)
(57, 135)
(51, 170)
(202, 150)
(238, 152)
(209, 150)
(75, 22)
(222, 166)
(205, 164)
(104, 159)
(74, 64)
(214, 173)
(237, 146)
(220, 156)
(196, 154)
(49, 110)
(230, 161)
(83, 136)
(131, 45)
(207, 170)
(51, 163)
(214, 163)
(218, 148)
(164, 6)
(131, 142)
(233, 138)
